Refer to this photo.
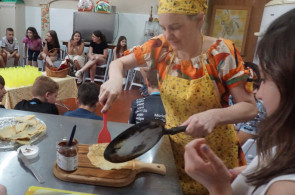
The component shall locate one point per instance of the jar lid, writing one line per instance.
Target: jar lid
(29, 151)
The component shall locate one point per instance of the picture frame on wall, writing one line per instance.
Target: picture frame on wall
(231, 22)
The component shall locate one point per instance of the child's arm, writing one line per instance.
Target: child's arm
(90, 52)
(115, 53)
(53, 52)
(70, 48)
(40, 44)
(81, 49)
(26, 51)
(105, 53)
(45, 47)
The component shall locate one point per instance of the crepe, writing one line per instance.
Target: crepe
(20, 127)
(95, 155)
(25, 128)
(7, 132)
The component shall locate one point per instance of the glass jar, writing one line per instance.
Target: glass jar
(67, 156)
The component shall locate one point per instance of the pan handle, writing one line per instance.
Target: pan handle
(175, 130)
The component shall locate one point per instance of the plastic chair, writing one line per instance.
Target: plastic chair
(249, 149)
(133, 74)
(98, 77)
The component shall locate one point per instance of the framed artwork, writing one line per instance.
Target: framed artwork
(231, 22)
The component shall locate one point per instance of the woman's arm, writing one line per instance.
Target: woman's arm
(110, 90)
(203, 123)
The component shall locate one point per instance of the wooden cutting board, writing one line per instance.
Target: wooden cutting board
(90, 174)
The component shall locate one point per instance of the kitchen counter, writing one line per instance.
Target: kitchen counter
(17, 178)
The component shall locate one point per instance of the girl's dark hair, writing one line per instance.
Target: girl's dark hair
(72, 38)
(121, 38)
(98, 33)
(34, 31)
(276, 52)
(55, 43)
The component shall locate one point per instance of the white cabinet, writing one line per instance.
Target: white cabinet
(151, 30)
(13, 15)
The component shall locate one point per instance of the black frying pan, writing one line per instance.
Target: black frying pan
(137, 140)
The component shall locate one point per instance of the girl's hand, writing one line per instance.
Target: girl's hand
(73, 43)
(201, 124)
(205, 167)
(236, 171)
(109, 92)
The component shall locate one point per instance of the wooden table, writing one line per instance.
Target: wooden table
(67, 89)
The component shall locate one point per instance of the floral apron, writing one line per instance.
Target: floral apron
(183, 98)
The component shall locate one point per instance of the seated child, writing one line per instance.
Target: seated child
(88, 101)
(97, 54)
(120, 48)
(150, 107)
(50, 48)
(44, 93)
(76, 52)
(10, 46)
(2, 90)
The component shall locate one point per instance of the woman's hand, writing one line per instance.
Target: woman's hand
(204, 166)
(201, 124)
(109, 92)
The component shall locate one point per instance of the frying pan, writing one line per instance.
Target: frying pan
(137, 140)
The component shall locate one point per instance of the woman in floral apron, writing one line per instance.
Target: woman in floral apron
(196, 75)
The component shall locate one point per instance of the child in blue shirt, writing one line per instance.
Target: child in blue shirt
(88, 101)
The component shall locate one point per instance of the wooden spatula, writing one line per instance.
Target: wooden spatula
(104, 136)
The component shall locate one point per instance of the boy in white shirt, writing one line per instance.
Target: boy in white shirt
(10, 46)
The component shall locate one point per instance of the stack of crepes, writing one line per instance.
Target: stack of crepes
(24, 129)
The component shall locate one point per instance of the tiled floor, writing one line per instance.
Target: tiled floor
(119, 111)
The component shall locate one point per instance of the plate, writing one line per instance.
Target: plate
(11, 145)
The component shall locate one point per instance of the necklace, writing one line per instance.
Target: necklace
(168, 68)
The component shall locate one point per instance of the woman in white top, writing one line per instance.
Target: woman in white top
(273, 171)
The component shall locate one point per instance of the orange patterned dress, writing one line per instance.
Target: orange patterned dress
(192, 86)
